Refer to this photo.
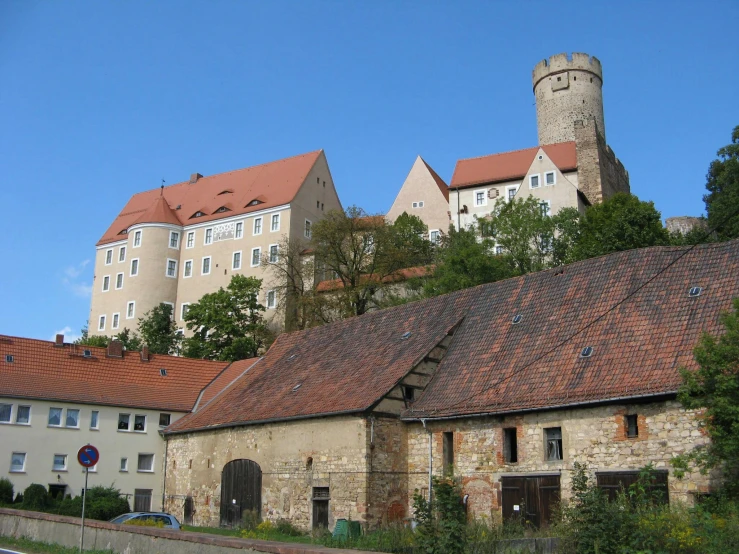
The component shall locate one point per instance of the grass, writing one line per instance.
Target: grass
(36, 547)
(272, 536)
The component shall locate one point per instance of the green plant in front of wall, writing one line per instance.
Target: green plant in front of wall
(6, 491)
(441, 522)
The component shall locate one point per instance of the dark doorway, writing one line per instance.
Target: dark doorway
(189, 509)
(57, 491)
(530, 497)
(142, 500)
(320, 507)
(241, 490)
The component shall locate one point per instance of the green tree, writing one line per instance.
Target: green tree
(442, 522)
(620, 223)
(228, 324)
(159, 330)
(408, 235)
(722, 184)
(91, 340)
(130, 340)
(714, 388)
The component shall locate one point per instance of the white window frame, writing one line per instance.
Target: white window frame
(122, 254)
(484, 197)
(22, 468)
(61, 416)
(166, 269)
(190, 241)
(128, 423)
(239, 230)
(554, 182)
(183, 310)
(277, 253)
(549, 207)
(234, 267)
(431, 236)
(257, 221)
(177, 235)
(308, 229)
(137, 237)
(95, 420)
(538, 180)
(101, 323)
(251, 258)
(208, 236)
(129, 310)
(116, 320)
(184, 269)
(63, 466)
(123, 468)
(106, 283)
(508, 190)
(117, 275)
(145, 422)
(273, 304)
(210, 265)
(10, 413)
(272, 227)
(66, 415)
(109, 257)
(131, 272)
(138, 462)
(17, 412)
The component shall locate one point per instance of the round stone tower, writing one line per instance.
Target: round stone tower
(567, 90)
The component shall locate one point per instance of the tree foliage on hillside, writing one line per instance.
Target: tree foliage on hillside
(159, 331)
(722, 184)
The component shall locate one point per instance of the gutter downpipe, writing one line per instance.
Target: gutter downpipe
(431, 458)
(164, 479)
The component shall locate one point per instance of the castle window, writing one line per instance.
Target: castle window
(271, 299)
(534, 182)
(511, 191)
(108, 257)
(122, 254)
(106, 283)
(209, 236)
(510, 445)
(480, 198)
(190, 239)
(137, 239)
(256, 255)
(544, 207)
(205, 269)
(164, 420)
(101, 323)
(239, 230)
(498, 249)
(632, 426)
(116, 318)
(174, 239)
(130, 309)
(134, 267)
(258, 226)
(184, 309)
(171, 268)
(119, 281)
(550, 178)
(308, 226)
(236, 260)
(553, 443)
(434, 236)
(273, 253)
(188, 269)
(275, 226)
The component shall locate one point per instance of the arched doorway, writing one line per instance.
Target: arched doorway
(241, 490)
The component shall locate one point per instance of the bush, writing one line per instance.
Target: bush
(250, 519)
(441, 522)
(284, 527)
(6, 491)
(36, 498)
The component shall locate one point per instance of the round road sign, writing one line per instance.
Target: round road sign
(88, 456)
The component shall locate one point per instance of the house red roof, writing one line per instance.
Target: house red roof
(632, 308)
(509, 166)
(395, 277)
(41, 370)
(271, 184)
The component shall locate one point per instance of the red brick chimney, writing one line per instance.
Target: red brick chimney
(144, 353)
(194, 178)
(59, 340)
(115, 349)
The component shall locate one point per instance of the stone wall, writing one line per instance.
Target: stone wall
(388, 499)
(600, 173)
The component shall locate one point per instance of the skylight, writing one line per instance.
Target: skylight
(296, 387)
(586, 352)
(9, 358)
(517, 319)
(405, 336)
(695, 291)
(87, 353)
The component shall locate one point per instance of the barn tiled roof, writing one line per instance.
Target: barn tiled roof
(272, 184)
(41, 370)
(509, 166)
(223, 380)
(632, 308)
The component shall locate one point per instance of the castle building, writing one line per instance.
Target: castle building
(175, 244)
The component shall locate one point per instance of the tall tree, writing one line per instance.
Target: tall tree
(228, 324)
(130, 340)
(159, 331)
(86, 339)
(722, 184)
(408, 234)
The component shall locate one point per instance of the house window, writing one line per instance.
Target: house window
(134, 267)
(122, 254)
(137, 239)
(18, 462)
(190, 239)
(205, 270)
(553, 443)
(239, 232)
(550, 178)
(171, 268)
(498, 249)
(95, 419)
(434, 236)
(256, 254)
(409, 393)
(208, 236)
(106, 283)
(236, 260)
(164, 420)
(124, 422)
(124, 464)
(544, 207)
(23, 415)
(73, 418)
(480, 199)
(273, 253)
(257, 225)
(174, 239)
(146, 462)
(534, 181)
(60, 462)
(632, 426)
(188, 269)
(510, 445)
(420, 203)
(5, 411)
(116, 317)
(139, 423)
(275, 225)
(130, 309)
(119, 281)
(101, 323)
(183, 310)
(108, 257)
(271, 299)
(55, 417)
(447, 447)
(308, 232)
(511, 192)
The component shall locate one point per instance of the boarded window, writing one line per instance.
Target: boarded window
(510, 445)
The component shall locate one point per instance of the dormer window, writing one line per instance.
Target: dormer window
(254, 203)
(222, 209)
(197, 214)
(227, 191)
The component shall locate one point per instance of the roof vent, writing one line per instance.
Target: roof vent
(9, 358)
(194, 178)
(292, 357)
(296, 387)
(87, 353)
(517, 319)
(405, 336)
(695, 291)
(163, 372)
(586, 352)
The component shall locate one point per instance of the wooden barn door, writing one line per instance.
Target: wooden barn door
(530, 497)
(241, 490)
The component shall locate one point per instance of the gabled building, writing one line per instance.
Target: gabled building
(510, 383)
(174, 244)
(57, 397)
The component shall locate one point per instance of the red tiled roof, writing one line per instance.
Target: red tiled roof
(43, 371)
(273, 184)
(397, 276)
(508, 166)
(640, 333)
(158, 212)
(439, 181)
(223, 380)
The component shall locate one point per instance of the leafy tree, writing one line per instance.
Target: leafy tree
(91, 340)
(442, 521)
(620, 223)
(158, 330)
(228, 324)
(408, 236)
(130, 340)
(722, 184)
(714, 388)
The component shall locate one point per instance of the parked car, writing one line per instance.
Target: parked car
(169, 521)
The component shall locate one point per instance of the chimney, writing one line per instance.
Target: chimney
(59, 340)
(144, 353)
(194, 178)
(115, 349)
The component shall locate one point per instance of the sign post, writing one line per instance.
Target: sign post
(87, 456)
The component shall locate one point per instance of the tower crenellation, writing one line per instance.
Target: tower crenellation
(567, 89)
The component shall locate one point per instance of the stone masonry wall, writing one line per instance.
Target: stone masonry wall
(388, 463)
(600, 173)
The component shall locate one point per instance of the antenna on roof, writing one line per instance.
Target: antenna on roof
(161, 191)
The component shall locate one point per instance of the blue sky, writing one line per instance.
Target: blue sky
(99, 100)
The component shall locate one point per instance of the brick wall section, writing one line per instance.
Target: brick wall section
(600, 173)
(387, 481)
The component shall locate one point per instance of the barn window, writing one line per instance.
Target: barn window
(553, 440)
(448, 451)
(510, 445)
(632, 426)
